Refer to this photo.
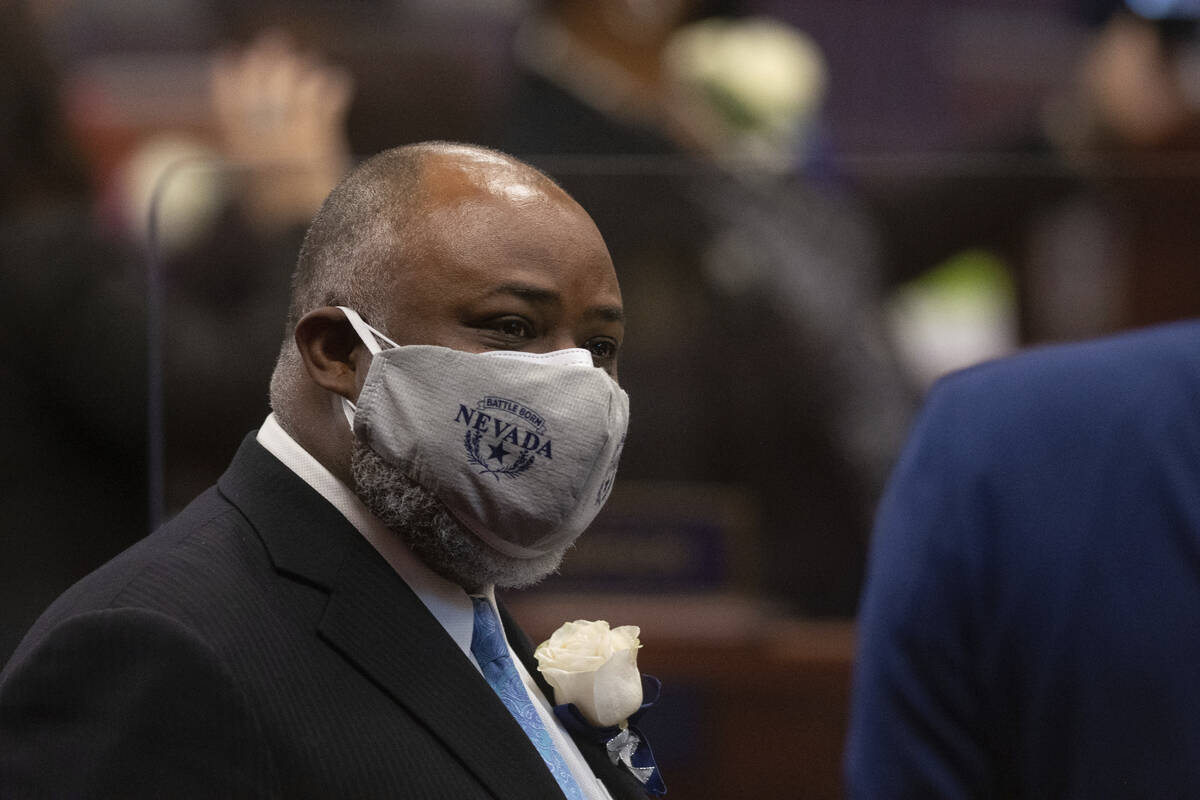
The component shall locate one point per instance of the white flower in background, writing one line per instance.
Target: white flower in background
(753, 85)
(595, 668)
(957, 314)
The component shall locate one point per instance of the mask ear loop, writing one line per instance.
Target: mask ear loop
(365, 331)
(367, 334)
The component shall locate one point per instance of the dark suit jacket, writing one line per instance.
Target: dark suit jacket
(1031, 623)
(257, 646)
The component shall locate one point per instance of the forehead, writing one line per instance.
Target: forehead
(489, 222)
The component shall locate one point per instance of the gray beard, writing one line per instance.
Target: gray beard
(412, 512)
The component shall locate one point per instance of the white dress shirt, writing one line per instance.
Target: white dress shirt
(450, 605)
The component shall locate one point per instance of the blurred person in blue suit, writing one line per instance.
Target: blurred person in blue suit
(1030, 625)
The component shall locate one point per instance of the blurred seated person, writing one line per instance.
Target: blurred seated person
(72, 348)
(753, 283)
(1097, 219)
(75, 336)
(278, 146)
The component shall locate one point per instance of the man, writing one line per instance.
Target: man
(1031, 621)
(312, 626)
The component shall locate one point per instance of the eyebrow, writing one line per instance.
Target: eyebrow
(526, 291)
(536, 294)
(607, 313)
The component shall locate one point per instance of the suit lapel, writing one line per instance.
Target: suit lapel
(376, 623)
(621, 783)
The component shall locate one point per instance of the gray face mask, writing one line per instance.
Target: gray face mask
(521, 448)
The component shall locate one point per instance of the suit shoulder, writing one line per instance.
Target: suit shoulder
(180, 713)
(197, 558)
(1079, 385)
(99, 633)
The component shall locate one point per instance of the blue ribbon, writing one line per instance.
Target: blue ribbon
(624, 745)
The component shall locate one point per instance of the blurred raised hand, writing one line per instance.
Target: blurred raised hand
(282, 111)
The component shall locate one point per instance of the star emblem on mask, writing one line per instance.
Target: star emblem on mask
(498, 452)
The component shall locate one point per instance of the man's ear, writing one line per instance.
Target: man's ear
(332, 351)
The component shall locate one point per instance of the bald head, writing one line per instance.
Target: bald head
(377, 219)
(445, 244)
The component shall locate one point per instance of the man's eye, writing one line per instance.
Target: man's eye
(602, 350)
(514, 328)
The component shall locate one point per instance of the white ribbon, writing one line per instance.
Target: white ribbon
(621, 749)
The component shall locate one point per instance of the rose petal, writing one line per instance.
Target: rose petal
(576, 640)
(625, 637)
(573, 687)
(617, 690)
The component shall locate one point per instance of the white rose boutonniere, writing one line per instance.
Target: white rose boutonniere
(599, 693)
(595, 668)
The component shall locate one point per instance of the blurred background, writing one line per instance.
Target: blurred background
(815, 209)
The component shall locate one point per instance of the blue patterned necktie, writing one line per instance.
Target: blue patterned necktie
(489, 649)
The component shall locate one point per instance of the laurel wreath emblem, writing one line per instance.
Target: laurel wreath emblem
(471, 443)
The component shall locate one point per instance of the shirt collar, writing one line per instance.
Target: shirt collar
(446, 600)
